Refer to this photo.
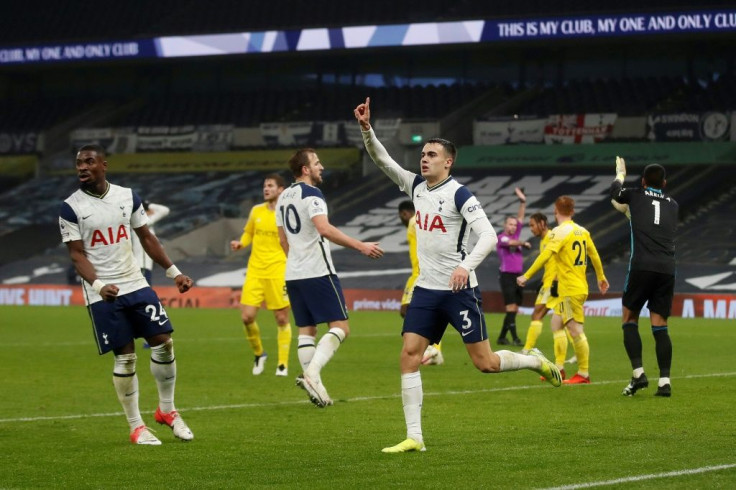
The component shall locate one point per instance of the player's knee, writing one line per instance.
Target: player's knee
(164, 352)
(247, 318)
(488, 365)
(124, 364)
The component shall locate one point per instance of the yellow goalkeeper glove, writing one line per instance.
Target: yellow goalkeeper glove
(620, 169)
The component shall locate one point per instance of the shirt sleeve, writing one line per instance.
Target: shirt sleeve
(68, 224)
(316, 206)
(619, 193)
(400, 176)
(139, 216)
(248, 230)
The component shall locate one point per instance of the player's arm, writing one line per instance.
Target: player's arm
(522, 205)
(247, 237)
(400, 176)
(542, 259)
(158, 212)
(333, 234)
(487, 240)
(87, 271)
(595, 259)
(283, 240)
(156, 251)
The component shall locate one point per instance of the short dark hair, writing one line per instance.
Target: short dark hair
(99, 149)
(280, 181)
(298, 160)
(448, 146)
(539, 217)
(406, 206)
(654, 175)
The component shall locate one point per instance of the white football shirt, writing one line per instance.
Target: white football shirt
(104, 224)
(309, 252)
(444, 216)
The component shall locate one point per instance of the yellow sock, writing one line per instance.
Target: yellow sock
(532, 334)
(560, 340)
(253, 334)
(438, 346)
(569, 336)
(284, 341)
(582, 350)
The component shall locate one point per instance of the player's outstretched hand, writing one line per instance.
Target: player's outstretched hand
(363, 114)
(520, 194)
(184, 283)
(521, 281)
(235, 245)
(459, 279)
(371, 249)
(621, 208)
(109, 292)
(603, 286)
(620, 169)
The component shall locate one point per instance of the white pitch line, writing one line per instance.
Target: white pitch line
(652, 476)
(355, 399)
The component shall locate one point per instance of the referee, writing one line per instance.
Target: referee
(651, 275)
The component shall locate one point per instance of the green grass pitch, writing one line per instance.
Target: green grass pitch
(62, 426)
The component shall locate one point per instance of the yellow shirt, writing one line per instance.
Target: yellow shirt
(411, 237)
(550, 268)
(572, 247)
(267, 258)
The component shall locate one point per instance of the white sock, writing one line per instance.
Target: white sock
(412, 395)
(663, 381)
(163, 368)
(513, 361)
(326, 348)
(126, 386)
(305, 350)
(638, 372)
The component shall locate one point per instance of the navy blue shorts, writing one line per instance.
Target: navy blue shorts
(431, 310)
(130, 316)
(317, 300)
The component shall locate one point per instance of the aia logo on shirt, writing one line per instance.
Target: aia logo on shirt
(109, 236)
(430, 222)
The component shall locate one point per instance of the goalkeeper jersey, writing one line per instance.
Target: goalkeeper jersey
(267, 258)
(653, 226)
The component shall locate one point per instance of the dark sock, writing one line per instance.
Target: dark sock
(663, 346)
(505, 327)
(632, 343)
(511, 317)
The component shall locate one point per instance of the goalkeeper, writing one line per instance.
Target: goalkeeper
(651, 276)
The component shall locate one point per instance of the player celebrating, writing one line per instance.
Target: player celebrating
(651, 275)
(95, 224)
(447, 289)
(572, 247)
(264, 280)
(313, 286)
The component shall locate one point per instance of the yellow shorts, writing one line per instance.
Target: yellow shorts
(408, 290)
(571, 308)
(544, 297)
(257, 290)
